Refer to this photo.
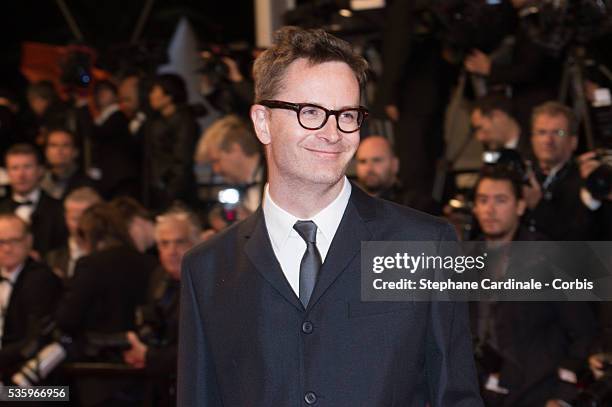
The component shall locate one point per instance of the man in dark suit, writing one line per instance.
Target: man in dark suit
(28, 291)
(28, 201)
(271, 311)
(169, 142)
(64, 174)
(556, 190)
(63, 259)
(528, 352)
(114, 151)
(176, 231)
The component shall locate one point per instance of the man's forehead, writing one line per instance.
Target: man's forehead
(320, 81)
(172, 230)
(494, 187)
(15, 159)
(546, 119)
(59, 138)
(11, 227)
(375, 146)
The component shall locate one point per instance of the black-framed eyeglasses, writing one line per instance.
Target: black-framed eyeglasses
(314, 117)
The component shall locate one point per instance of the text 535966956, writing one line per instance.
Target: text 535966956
(36, 393)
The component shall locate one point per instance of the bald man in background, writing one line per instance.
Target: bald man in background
(377, 169)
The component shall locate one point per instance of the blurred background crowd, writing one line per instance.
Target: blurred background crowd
(119, 156)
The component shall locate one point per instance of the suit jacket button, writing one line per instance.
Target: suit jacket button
(307, 327)
(310, 398)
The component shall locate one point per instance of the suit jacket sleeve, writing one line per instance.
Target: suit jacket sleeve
(181, 157)
(449, 361)
(197, 385)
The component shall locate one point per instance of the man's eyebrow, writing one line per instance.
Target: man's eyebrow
(340, 108)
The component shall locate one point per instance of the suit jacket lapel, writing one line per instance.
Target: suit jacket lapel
(347, 242)
(259, 250)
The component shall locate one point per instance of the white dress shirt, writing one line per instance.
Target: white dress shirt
(288, 246)
(25, 211)
(74, 253)
(6, 289)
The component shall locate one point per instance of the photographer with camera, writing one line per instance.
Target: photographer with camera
(230, 147)
(528, 353)
(154, 345)
(223, 84)
(28, 291)
(532, 75)
(598, 393)
(596, 171)
(495, 126)
(556, 189)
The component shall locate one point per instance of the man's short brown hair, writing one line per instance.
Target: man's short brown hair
(225, 132)
(24, 149)
(293, 43)
(553, 108)
(69, 133)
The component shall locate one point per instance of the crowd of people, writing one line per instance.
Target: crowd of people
(101, 201)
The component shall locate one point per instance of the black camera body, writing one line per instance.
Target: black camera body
(599, 182)
(599, 393)
(509, 160)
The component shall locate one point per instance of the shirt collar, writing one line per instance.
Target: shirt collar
(74, 249)
(280, 223)
(106, 113)
(33, 196)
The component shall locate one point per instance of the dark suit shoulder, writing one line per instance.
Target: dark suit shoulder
(5, 205)
(47, 203)
(220, 242)
(398, 222)
(128, 256)
(37, 269)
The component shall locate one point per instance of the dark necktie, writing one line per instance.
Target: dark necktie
(311, 261)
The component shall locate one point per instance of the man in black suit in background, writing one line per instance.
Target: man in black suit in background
(28, 291)
(28, 201)
(176, 231)
(271, 311)
(113, 148)
(64, 173)
(529, 352)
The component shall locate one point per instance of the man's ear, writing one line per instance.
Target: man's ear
(259, 116)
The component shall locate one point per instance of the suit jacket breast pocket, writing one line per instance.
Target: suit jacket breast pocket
(359, 309)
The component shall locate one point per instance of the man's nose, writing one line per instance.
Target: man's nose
(489, 208)
(330, 131)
